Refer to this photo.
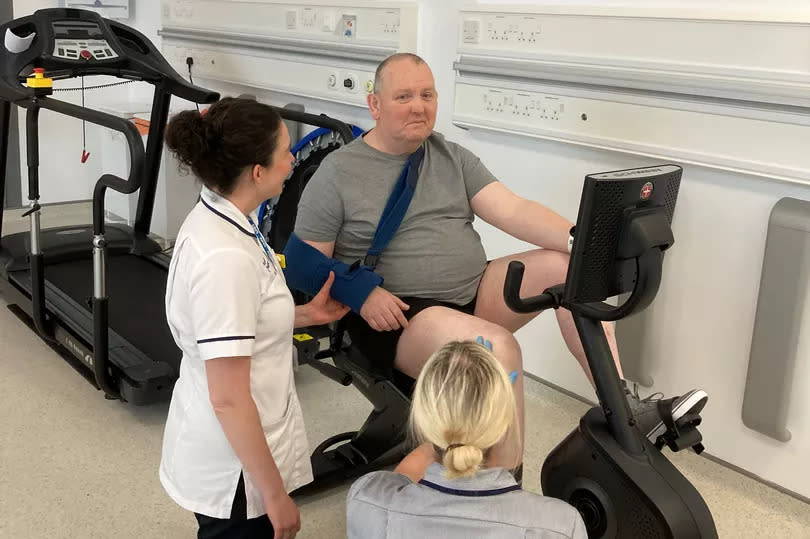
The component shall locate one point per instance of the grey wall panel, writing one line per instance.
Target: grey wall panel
(775, 340)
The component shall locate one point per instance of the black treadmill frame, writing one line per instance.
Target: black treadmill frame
(127, 373)
(140, 379)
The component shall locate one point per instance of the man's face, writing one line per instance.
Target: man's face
(405, 106)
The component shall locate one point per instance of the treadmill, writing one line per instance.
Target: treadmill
(95, 292)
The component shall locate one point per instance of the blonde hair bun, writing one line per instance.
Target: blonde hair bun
(463, 460)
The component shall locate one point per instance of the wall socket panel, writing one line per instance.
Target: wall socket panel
(501, 30)
(639, 126)
(342, 85)
(522, 105)
(752, 45)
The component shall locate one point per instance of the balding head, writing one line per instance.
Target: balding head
(385, 65)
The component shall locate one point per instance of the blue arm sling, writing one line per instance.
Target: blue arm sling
(307, 268)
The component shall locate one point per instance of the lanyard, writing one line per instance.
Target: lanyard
(260, 238)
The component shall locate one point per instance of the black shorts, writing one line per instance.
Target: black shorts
(380, 347)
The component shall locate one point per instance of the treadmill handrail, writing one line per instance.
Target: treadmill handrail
(134, 145)
(123, 126)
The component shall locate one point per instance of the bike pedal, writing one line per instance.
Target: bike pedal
(683, 438)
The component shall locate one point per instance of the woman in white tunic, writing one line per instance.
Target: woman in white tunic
(234, 443)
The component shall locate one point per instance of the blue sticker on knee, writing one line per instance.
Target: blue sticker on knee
(487, 344)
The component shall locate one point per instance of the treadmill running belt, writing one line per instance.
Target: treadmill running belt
(137, 289)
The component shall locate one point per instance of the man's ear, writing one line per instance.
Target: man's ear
(373, 101)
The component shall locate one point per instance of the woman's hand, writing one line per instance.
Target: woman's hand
(323, 308)
(283, 515)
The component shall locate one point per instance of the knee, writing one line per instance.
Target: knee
(506, 349)
(548, 266)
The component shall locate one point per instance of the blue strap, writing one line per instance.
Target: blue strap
(395, 208)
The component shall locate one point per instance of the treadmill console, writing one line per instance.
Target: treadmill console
(63, 43)
(80, 41)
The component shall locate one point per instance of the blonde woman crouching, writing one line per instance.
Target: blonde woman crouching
(463, 406)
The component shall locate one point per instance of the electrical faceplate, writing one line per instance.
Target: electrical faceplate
(522, 105)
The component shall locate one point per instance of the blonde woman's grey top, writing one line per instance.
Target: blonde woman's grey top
(390, 505)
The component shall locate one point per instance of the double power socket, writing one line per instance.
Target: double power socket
(349, 82)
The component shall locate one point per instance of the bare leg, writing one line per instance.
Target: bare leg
(544, 269)
(435, 326)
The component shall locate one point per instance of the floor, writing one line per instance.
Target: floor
(75, 465)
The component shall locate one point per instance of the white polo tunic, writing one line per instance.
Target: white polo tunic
(226, 297)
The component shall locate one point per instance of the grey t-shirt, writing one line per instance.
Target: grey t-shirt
(435, 253)
(387, 504)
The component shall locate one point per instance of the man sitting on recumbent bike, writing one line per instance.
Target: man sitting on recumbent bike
(438, 286)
